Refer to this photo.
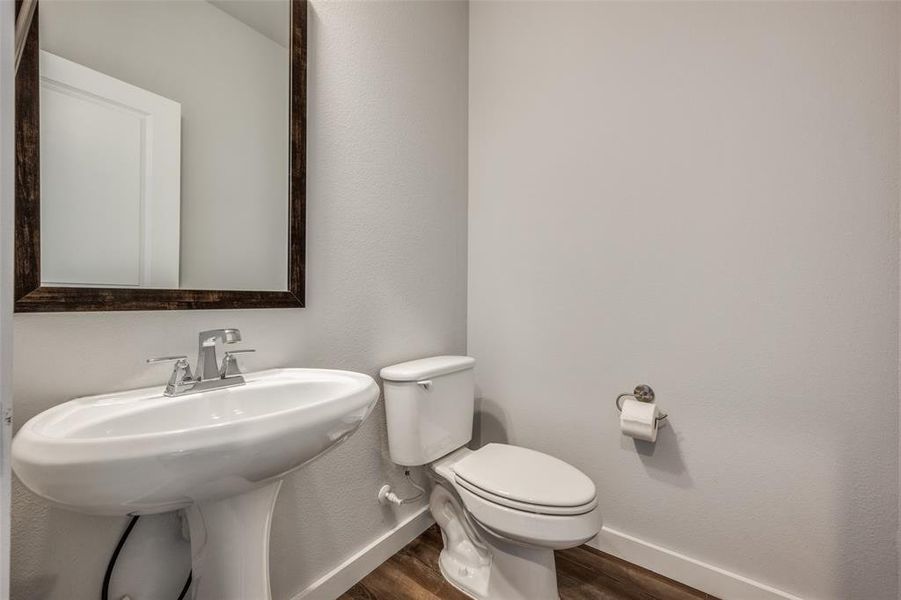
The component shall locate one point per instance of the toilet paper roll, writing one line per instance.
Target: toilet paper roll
(639, 420)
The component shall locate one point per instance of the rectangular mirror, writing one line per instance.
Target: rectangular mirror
(154, 172)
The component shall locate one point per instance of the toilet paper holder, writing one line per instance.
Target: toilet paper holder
(642, 393)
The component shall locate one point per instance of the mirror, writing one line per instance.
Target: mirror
(160, 155)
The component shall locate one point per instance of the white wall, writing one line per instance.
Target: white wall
(702, 197)
(7, 170)
(232, 83)
(387, 282)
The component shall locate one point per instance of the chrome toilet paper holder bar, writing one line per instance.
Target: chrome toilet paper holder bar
(642, 393)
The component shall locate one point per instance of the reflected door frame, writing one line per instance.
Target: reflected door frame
(92, 120)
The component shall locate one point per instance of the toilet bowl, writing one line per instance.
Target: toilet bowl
(502, 509)
(509, 508)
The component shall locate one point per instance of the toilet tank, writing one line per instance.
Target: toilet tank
(429, 406)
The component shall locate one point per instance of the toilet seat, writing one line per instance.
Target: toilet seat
(543, 530)
(539, 509)
(527, 496)
(525, 479)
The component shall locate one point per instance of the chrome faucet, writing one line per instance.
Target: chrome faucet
(207, 365)
(210, 374)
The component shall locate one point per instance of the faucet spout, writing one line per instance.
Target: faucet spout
(207, 364)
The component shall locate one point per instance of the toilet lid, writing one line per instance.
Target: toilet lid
(524, 476)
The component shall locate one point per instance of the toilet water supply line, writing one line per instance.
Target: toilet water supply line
(386, 496)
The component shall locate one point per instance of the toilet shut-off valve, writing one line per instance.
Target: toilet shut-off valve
(386, 496)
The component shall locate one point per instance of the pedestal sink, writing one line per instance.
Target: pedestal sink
(220, 455)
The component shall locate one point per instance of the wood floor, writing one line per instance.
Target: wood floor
(583, 573)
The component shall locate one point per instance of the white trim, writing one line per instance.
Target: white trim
(684, 569)
(344, 576)
(7, 168)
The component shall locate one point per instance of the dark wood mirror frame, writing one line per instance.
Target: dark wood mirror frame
(30, 296)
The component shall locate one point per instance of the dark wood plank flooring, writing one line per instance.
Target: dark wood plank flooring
(583, 573)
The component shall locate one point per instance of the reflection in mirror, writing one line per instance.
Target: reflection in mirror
(164, 136)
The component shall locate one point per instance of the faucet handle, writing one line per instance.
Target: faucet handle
(181, 374)
(162, 359)
(229, 366)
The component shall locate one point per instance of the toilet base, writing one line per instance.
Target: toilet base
(485, 566)
(519, 572)
(523, 574)
(472, 584)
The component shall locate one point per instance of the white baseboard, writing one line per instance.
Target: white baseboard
(344, 576)
(684, 569)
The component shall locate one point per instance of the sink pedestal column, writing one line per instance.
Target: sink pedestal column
(230, 545)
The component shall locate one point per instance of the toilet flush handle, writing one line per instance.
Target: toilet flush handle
(426, 384)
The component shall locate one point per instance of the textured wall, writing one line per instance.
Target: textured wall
(702, 197)
(387, 282)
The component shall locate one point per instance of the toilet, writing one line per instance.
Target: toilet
(502, 509)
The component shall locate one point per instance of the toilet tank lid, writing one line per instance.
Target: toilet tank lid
(423, 368)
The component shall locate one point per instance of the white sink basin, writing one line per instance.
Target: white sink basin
(220, 454)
